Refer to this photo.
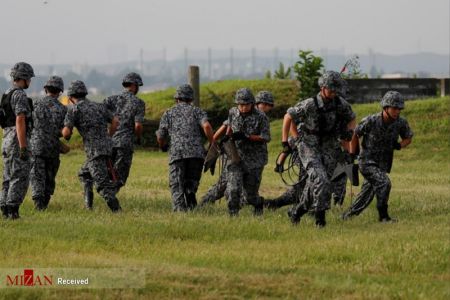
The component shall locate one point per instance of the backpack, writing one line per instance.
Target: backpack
(7, 115)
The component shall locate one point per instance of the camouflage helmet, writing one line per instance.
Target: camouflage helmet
(77, 87)
(184, 92)
(244, 96)
(392, 99)
(56, 82)
(331, 80)
(133, 78)
(22, 70)
(264, 97)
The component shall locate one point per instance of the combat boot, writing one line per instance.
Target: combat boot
(47, 200)
(384, 216)
(5, 211)
(191, 201)
(39, 204)
(114, 205)
(13, 212)
(88, 196)
(296, 215)
(347, 215)
(320, 218)
(258, 210)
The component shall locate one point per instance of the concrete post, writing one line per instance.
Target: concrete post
(194, 81)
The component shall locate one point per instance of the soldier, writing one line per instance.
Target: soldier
(249, 129)
(48, 121)
(264, 103)
(184, 124)
(322, 120)
(91, 119)
(16, 121)
(379, 133)
(130, 110)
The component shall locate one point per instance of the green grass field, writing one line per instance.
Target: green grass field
(205, 254)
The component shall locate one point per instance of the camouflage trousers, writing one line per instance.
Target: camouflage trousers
(339, 190)
(376, 183)
(184, 179)
(94, 172)
(122, 159)
(243, 183)
(42, 177)
(16, 177)
(217, 191)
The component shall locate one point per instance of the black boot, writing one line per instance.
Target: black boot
(47, 200)
(320, 218)
(258, 209)
(191, 200)
(39, 203)
(13, 212)
(384, 216)
(5, 211)
(88, 196)
(114, 205)
(296, 214)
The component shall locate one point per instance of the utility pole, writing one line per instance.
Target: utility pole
(194, 81)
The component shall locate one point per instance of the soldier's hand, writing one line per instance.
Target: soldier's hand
(165, 148)
(236, 136)
(286, 147)
(23, 153)
(138, 141)
(397, 146)
(279, 168)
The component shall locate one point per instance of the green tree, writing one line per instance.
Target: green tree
(268, 74)
(308, 70)
(281, 73)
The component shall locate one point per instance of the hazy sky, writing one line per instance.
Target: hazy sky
(103, 31)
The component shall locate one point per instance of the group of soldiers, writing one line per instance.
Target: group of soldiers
(319, 130)
(32, 130)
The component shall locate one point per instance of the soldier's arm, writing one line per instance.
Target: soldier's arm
(138, 129)
(114, 125)
(405, 142)
(264, 135)
(66, 132)
(220, 132)
(207, 129)
(354, 144)
(287, 121)
(21, 129)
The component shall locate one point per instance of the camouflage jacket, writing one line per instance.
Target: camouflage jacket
(19, 105)
(130, 110)
(48, 120)
(253, 154)
(91, 119)
(183, 125)
(321, 125)
(378, 139)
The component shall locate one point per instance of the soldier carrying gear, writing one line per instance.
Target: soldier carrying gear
(16, 120)
(380, 134)
(48, 121)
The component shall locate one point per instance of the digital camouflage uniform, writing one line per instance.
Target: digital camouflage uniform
(320, 126)
(48, 121)
(340, 184)
(130, 110)
(244, 178)
(379, 140)
(91, 119)
(182, 127)
(16, 167)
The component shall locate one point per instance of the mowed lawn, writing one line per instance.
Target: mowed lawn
(207, 255)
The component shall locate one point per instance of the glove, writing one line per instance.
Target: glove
(67, 138)
(397, 146)
(279, 168)
(236, 136)
(225, 139)
(165, 148)
(138, 141)
(23, 153)
(286, 147)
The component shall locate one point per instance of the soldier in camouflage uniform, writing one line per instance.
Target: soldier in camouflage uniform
(130, 111)
(249, 129)
(91, 119)
(380, 133)
(48, 121)
(17, 125)
(322, 120)
(264, 103)
(183, 124)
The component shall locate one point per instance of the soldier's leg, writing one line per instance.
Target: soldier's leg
(251, 183)
(122, 159)
(287, 198)
(18, 185)
(363, 199)
(52, 167)
(98, 168)
(176, 182)
(7, 164)
(88, 185)
(216, 191)
(193, 173)
(381, 185)
(38, 180)
(234, 188)
(339, 190)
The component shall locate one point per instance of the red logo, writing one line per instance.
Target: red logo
(29, 279)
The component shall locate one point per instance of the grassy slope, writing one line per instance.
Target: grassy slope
(206, 254)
